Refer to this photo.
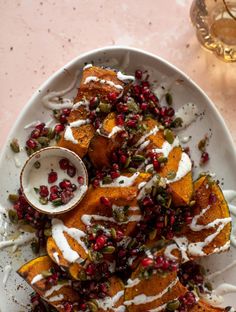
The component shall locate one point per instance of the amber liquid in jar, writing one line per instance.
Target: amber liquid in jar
(215, 23)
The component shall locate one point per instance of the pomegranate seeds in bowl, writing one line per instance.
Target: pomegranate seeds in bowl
(57, 184)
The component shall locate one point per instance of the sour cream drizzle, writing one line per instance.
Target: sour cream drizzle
(108, 302)
(122, 181)
(36, 279)
(102, 81)
(54, 100)
(124, 77)
(58, 229)
(142, 298)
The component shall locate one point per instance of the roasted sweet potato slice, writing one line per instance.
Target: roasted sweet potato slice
(94, 88)
(209, 231)
(102, 146)
(82, 215)
(55, 295)
(152, 293)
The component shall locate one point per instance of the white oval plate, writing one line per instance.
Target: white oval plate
(221, 150)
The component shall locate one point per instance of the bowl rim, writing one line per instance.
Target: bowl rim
(44, 150)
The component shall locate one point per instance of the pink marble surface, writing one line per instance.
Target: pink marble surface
(38, 37)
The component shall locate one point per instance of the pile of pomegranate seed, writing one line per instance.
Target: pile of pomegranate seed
(192, 274)
(160, 263)
(186, 302)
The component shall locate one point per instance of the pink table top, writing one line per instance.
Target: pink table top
(38, 37)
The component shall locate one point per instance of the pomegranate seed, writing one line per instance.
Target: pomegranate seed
(147, 201)
(115, 167)
(66, 111)
(122, 108)
(71, 171)
(35, 133)
(172, 220)
(64, 163)
(105, 201)
(52, 177)
(53, 196)
(188, 219)
(31, 143)
(63, 119)
(114, 157)
(90, 269)
(100, 242)
(146, 262)
(123, 159)
(83, 307)
(145, 84)
(65, 184)
(120, 120)
(170, 112)
(115, 174)
(144, 106)
(43, 191)
(165, 264)
(160, 225)
(59, 128)
(156, 111)
(156, 164)
(80, 180)
(97, 123)
(112, 96)
(92, 116)
(54, 189)
(204, 158)
(68, 307)
(95, 183)
(141, 98)
(137, 90)
(146, 93)
(93, 102)
(159, 261)
(119, 235)
(138, 74)
(40, 126)
(131, 123)
(66, 196)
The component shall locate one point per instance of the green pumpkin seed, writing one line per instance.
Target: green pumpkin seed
(132, 106)
(44, 141)
(173, 305)
(105, 107)
(132, 170)
(13, 198)
(177, 123)
(169, 136)
(92, 305)
(162, 159)
(27, 228)
(113, 233)
(192, 203)
(43, 200)
(15, 146)
(57, 202)
(152, 234)
(171, 175)
(57, 137)
(37, 164)
(127, 162)
(108, 250)
(138, 158)
(169, 98)
(106, 180)
(12, 214)
(209, 286)
(82, 276)
(51, 134)
(47, 232)
(46, 273)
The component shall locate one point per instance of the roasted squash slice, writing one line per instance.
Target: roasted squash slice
(81, 216)
(55, 295)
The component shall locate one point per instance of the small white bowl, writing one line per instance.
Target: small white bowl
(32, 177)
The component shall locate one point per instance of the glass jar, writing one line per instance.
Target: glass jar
(215, 23)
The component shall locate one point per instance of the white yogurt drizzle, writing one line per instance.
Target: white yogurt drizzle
(142, 298)
(185, 166)
(102, 81)
(84, 103)
(36, 279)
(68, 135)
(23, 239)
(168, 251)
(58, 229)
(7, 271)
(230, 196)
(145, 186)
(87, 66)
(56, 298)
(167, 147)
(114, 131)
(131, 283)
(182, 243)
(55, 288)
(122, 181)
(188, 113)
(143, 138)
(124, 77)
(108, 302)
(56, 257)
(79, 123)
(54, 100)
(32, 124)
